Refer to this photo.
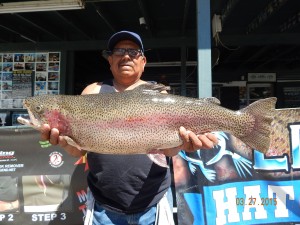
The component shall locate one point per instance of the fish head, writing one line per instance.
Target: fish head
(41, 109)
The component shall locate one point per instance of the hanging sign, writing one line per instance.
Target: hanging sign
(262, 77)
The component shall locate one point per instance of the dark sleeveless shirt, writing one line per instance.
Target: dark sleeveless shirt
(126, 183)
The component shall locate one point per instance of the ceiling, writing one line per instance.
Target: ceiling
(256, 36)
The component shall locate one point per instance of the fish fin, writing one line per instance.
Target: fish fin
(152, 87)
(212, 100)
(159, 159)
(263, 111)
(70, 141)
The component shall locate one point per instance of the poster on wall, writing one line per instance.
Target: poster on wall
(233, 184)
(27, 74)
(21, 86)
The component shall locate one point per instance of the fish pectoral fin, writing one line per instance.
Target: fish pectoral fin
(159, 159)
(70, 141)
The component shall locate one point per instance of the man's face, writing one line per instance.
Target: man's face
(127, 66)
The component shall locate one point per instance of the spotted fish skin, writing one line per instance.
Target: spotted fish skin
(143, 119)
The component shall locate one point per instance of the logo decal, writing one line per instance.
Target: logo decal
(56, 159)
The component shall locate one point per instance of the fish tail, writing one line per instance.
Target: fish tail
(263, 111)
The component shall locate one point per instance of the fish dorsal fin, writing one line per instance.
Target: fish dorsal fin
(212, 100)
(151, 87)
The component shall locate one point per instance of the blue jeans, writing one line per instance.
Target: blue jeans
(106, 217)
(103, 216)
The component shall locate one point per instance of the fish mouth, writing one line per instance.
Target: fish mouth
(33, 118)
(34, 121)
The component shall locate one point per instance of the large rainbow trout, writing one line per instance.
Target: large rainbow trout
(141, 120)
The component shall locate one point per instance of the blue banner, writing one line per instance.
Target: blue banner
(233, 184)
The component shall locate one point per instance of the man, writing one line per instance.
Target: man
(128, 189)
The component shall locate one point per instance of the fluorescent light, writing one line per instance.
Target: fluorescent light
(170, 64)
(37, 6)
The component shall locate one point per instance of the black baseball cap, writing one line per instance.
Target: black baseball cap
(124, 35)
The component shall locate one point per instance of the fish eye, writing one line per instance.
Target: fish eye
(39, 108)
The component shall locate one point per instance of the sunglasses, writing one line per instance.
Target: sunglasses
(122, 51)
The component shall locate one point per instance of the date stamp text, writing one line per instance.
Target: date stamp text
(256, 201)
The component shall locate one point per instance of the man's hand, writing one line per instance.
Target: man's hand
(193, 142)
(52, 135)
